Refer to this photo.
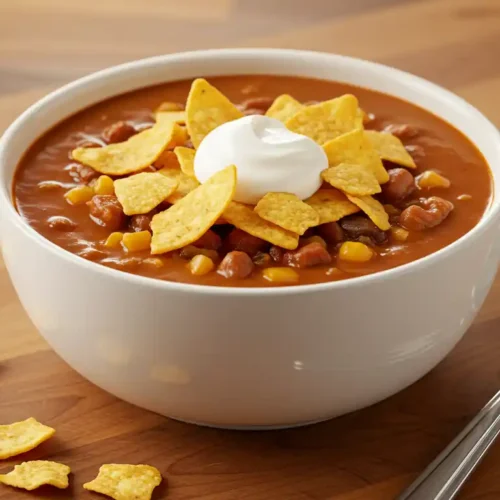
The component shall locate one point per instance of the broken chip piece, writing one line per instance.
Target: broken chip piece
(192, 216)
(287, 211)
(185, 183)
(390, 148)
(352, 178)
(36, 473)
(23, 436)
(125, 482)
(244, 218)
(136, 153)
(206, 109)
(185, 156)
(140, 193)
(284, 107)
(373, 208)
(328, 119)
(331, 205)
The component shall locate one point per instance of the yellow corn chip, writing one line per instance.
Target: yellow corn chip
(374, 209)
(136, 153)
(125, 482)
(185, 156)
(351, 178)
(140, 193)
(327, 120)
(167, 159)
(355, 147)
(331, 205)
(390, 148)
(244, 218)
(206, 109)
(284, 107)
(191, 217)
(287, 211)
(23, 436)
(185, 183)
(32, 475)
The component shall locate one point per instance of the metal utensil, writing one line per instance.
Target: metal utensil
(445, 476)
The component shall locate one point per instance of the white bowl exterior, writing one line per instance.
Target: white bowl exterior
(231, 357)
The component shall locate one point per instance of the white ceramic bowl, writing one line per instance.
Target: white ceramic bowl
(249, 357)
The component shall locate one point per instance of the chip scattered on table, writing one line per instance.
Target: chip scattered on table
(125, 482)
(352, 178)
(390, 148)
(140, 193)
(284, 107)
(374, 209)
(185, 157)
(355, 147)
(328, 119)
(206, 109)
(244, 218)
(331, 205)
(136, 153)
(192, 216)
(23, 436)
(185, 183)
(32, 475)
(287, 211)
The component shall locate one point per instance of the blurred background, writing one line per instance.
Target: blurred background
(45, 43)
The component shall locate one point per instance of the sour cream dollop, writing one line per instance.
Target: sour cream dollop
(268, 157)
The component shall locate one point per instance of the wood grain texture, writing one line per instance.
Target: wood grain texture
(371, 454)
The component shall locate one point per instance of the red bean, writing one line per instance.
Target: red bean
(210, 240)
(433, 212)
(106, 211)
(118, 132)
(61, 223)
(400, 186)
(236, 265)
(244, 242)
(309, 255)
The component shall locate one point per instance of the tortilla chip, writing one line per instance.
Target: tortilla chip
(355, 147)
(390, 148)
(191, 217)
(244, 218)
(284, 107)
(23, 436)
(331, 205)
(125, 482)
(168, 159)
(140, 193)
(185, 183)
(206, 109)
(185, 156)
(351, 178)
(287, 211)
(374, 209)
(136, 153)
(32, 475)
(327, 120)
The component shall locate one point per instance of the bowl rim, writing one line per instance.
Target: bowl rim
(490, 216)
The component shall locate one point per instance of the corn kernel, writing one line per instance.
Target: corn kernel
(313, 239)
(399, 234)
(200, 265)
(135, 242)
(464, 197)
(154, 261)
(79, 195)
(354, 251)
(104, 185)
(280, 275)
(431, 179)
(114, 240)
(391, 210)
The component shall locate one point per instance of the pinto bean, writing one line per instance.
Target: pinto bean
(310, 255)
(118, 132)
(61, 223)
(210, 240)
(92, 254)
(357, 226)
(106, 211)
(400, 185)
(403, 131)
(331, 232)
(417, 152)
(236, 265)
(140, 223)
(81, 173)
(433, 212)
(244, 242)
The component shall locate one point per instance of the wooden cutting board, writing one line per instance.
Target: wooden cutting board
(369, 455)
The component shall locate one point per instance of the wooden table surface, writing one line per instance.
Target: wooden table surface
(371, 454)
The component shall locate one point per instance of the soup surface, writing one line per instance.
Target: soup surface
(428, 207)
